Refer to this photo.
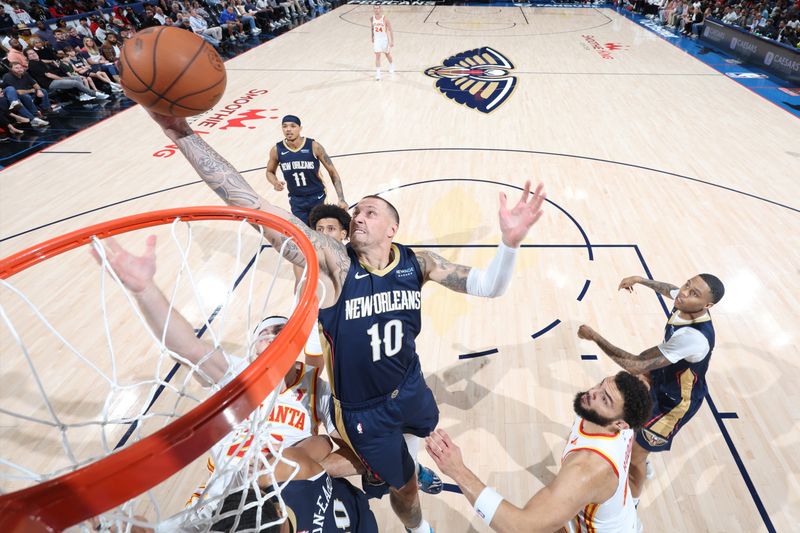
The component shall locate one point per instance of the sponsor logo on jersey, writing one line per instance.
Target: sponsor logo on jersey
(404, 272)
(479, 79)
(359, 275)
(382, 302)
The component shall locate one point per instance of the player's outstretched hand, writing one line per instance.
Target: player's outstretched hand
(174, 127)
(444, 452)
(343, 205)
(629, 282)
(517, 221)
(587, 333)
(135, 272)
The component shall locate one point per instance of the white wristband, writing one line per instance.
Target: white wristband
(487, 503)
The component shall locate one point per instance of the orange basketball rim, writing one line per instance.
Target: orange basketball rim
(89, 491)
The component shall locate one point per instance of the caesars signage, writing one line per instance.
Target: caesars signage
(778, 59)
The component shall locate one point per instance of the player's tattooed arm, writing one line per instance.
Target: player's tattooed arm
(218, 173)
(323, 156)
(650, 359)
(660, 287)
(438, 269)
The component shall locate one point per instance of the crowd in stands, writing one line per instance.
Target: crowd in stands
(59, 51)
(773, 19)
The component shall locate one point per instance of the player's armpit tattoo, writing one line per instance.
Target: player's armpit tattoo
(423, 264)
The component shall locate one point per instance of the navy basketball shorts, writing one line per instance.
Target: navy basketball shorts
(667, 419)
(374, 429)
(302, 205)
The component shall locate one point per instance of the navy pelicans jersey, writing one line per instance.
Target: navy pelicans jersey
(682, 383)
(300, 169)
(371, 330)
(324, 504)
(618, 513)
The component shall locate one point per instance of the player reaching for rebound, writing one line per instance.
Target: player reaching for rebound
(382, 40)
(299, 159)
(590, 492)
(371, 315)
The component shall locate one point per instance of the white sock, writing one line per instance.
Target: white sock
(391, 67)
(423, 527)
(412, 443)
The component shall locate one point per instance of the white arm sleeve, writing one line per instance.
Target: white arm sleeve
(494, 281)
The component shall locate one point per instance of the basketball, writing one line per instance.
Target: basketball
(171, 71)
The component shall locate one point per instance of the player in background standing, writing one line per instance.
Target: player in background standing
(299, 159)
(382, 40)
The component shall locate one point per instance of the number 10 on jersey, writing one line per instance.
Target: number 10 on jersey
(391, 340)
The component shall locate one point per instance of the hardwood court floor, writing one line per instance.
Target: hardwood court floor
(662, 164)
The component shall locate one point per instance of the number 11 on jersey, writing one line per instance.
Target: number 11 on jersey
(392, 339)
(298, 177)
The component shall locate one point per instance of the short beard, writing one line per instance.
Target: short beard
(587, 414)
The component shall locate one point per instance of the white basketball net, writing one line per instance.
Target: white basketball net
(83, 389)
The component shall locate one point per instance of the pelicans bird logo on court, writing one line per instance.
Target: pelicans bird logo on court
(478, 78)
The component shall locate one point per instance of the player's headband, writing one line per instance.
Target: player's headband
(291, 118)
(269, 322)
